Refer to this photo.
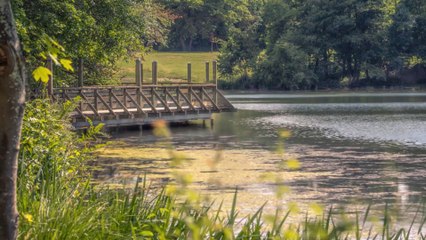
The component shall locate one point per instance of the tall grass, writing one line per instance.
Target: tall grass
(57, 200)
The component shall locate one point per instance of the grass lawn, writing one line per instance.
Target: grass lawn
(171, 66)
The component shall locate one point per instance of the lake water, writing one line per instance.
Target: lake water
(354, 149)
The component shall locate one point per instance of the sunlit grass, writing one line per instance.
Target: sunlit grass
(172, 66)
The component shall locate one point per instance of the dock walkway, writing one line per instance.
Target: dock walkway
(141, 104)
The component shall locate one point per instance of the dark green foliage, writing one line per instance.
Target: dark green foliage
(245, 41)
(198, 24)
(101, 32)
(313, 44)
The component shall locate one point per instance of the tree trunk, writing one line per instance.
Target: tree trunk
(12, 100)
(182, 43)
(190, 44)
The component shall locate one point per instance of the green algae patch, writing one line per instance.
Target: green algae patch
(215, 173)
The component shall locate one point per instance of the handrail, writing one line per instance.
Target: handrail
(100, 87)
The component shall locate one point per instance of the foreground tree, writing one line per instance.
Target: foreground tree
(12, 99)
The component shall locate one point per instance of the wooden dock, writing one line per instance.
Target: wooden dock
(141, 104)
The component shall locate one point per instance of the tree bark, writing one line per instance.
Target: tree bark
(182, 43)
(12, 100)
(190, 44)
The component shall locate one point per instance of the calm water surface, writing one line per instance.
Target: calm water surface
(361, 147)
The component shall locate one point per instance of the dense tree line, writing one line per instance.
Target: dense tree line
(314, 44)
(286, 44)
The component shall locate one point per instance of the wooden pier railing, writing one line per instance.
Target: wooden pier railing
(142, 104)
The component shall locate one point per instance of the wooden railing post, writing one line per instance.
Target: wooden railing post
(110, 98)
(80, 72)
(139, 80)
(189, 72)
(215, 80)
(154, 82)
(177, 95)
(189, 81)
(138, 72)
(207, 72)
(50, 82)
(214, 66)
(95, 98)
(154, 72)
(124, 98)
(153, 99)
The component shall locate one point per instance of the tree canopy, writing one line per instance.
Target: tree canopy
(99, 31)
(285, 44)
(320, 43)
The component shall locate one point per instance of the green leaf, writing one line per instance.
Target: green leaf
(42, 74)
(67, 64)
(146, 234)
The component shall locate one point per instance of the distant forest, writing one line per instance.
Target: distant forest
(268, 44)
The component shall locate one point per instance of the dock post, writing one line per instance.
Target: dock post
(138, 72)
(214, 66)
(211, 123)
(80, 72)
(139, 79)
(207, 72)
(49, 64)
(154, 72)
(189, 73)
(189, 82)
(154, 82)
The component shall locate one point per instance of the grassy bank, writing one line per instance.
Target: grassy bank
(172, 66)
